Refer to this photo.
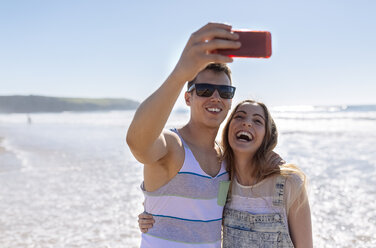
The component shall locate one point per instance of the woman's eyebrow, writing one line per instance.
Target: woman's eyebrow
(241, 111)
(259, 116)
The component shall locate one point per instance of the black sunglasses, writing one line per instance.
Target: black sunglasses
(207, 90)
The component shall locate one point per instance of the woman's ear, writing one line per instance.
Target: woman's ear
(187, 97)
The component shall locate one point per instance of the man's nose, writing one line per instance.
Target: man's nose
(216, 94)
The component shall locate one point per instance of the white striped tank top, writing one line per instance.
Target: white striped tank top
(188, 209)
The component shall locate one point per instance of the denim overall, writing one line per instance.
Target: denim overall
(242, 229)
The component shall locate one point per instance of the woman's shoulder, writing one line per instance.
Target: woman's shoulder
(295, 184)
(295, 180)
(294, 176)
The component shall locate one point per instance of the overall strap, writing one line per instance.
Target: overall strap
(278, 199)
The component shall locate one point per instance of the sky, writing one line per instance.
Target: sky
(323, 51)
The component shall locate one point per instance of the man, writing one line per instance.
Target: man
(182, 168)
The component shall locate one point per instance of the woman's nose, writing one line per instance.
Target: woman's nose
(247, 123)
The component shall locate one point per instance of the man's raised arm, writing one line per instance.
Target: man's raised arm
(145, 134)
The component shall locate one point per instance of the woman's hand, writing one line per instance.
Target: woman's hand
(145, 222)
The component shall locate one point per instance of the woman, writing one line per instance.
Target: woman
(267, 205)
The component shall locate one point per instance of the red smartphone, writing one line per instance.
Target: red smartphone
(255, 44)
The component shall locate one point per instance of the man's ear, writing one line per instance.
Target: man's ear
(187, 97)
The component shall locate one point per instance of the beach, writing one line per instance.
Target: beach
(69, 179)
(72, 187)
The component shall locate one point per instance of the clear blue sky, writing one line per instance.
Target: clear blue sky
(324, 52)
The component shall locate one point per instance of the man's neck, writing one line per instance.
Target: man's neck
(199, 135)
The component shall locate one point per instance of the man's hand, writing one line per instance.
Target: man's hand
(145, 222)
(201, 50)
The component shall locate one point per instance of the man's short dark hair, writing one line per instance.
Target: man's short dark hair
(214, 67)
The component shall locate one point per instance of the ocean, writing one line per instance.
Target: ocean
(69, 180)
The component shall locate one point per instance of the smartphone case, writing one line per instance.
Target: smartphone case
(255, 44)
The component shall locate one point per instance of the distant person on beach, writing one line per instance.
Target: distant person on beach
(183, 168)
(267, 205)
(29, 121)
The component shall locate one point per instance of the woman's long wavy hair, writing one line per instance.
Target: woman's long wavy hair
(262, 168)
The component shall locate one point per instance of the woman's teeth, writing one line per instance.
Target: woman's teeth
(244, 135)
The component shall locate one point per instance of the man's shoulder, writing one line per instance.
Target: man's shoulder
(175, 146)
(163, 170)
(172, 137)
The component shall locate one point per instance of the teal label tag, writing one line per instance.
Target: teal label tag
(222, 194)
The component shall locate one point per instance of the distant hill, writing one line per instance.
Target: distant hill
(35, 104)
